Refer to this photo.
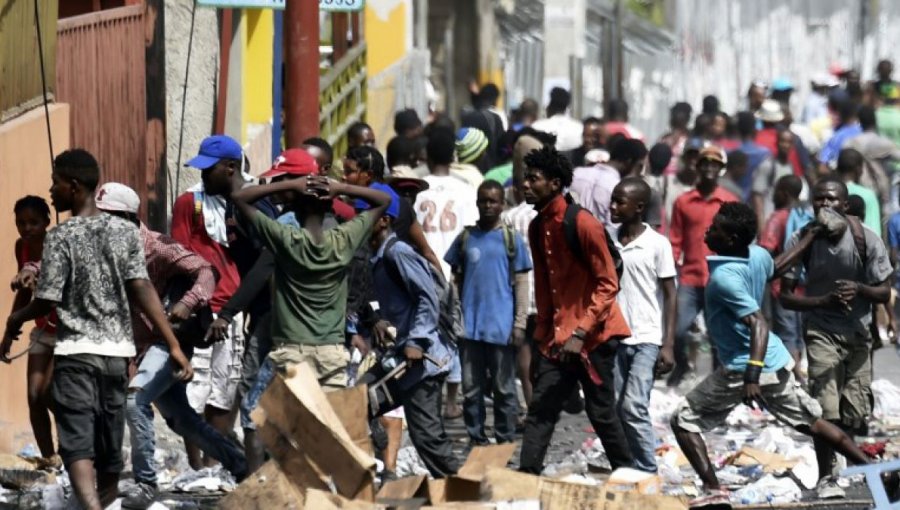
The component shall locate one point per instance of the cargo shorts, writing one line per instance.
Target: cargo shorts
(328, 362)
(840, 375)
(710, 402)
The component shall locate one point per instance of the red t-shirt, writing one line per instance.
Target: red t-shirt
(772, 239)
(692, 215)
(47, 323)
(188, 229)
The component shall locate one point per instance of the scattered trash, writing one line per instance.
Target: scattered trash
(768, 489)
(887, 399)
(206, 479)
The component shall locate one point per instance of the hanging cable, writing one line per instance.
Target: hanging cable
(187, 67)
(40, 41)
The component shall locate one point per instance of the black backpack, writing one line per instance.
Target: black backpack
(570, 231)
(450, 320)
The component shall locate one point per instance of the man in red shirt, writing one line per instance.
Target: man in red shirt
(578, 323)
(692, 215)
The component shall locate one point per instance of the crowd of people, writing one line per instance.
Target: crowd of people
(562, 257)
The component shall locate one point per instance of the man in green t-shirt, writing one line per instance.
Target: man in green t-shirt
(308, 309)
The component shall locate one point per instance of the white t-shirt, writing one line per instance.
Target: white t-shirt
(443, 210)
(568, 131)
(645, 259)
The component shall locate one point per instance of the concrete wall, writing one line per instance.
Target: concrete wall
(721, 47)
(199, 114)
(24, 170)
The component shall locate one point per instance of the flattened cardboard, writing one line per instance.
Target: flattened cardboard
(403, 488)
(266, 489)
(481, 458)
(300, 412)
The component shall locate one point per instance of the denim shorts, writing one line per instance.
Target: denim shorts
(88, 393)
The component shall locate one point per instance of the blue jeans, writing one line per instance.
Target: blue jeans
(635, 365)
(691, 301)
(479, 358)
(155, 383)
(250, 401)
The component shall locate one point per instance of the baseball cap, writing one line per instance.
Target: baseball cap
(393, 209)
(714, 153)
(411, 184)
(115, 197)
(824, 80)
(782, 84)
(296, 162)
(214, 149)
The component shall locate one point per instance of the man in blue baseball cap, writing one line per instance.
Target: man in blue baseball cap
(409, 299)
(205, 220)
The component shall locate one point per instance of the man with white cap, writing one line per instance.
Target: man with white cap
(155, 381)
(205, 221)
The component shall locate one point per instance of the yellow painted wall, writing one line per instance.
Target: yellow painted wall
(385, 37)
(257, 32)
(24, 170)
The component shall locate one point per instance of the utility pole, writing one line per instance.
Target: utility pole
(301, 61)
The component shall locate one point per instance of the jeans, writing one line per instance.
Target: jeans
(691, 301)
(553, 382)
(423, 404)
(479, 358)
(250, 401)
(258, 347)
(155, 383)
(635, 365)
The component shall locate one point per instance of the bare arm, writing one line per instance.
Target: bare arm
(789, 258)
(670, 309)
(792, 301)
(420, 244)
(759, 335)
(140, 291)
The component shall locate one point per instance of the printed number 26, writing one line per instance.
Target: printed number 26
(447, 221)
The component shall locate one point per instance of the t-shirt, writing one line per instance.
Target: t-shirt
(893, 227)
(767, 175)
(444, 209)
(888, 120)
(645, 260)
(86, 264)
(756, 154)
(772, 238)
(873, 210)
(487, 297)
(310, 278)
(734, 291)
(828, 263)
(501, 174)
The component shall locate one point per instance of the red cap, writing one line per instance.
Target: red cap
(292, 162)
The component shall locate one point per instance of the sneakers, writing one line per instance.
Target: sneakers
(827, 488)
(140, 496)
(711, 500)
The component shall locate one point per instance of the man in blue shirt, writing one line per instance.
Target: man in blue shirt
(748, 351)
(847, 128)
(756, 153)
(491, 264)
(408, 299)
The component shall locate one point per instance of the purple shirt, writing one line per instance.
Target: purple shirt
(592, 188)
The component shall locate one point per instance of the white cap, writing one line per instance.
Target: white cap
(113, 196)
(824, 80)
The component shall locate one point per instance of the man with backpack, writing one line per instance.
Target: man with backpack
(847, 271)
(579, 324)
(491, 266)
(410, 299)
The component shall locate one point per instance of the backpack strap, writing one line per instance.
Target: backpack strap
(859, 237)
(570, 230)
(509, 240)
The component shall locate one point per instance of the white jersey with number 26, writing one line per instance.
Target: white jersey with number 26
(443, 210)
